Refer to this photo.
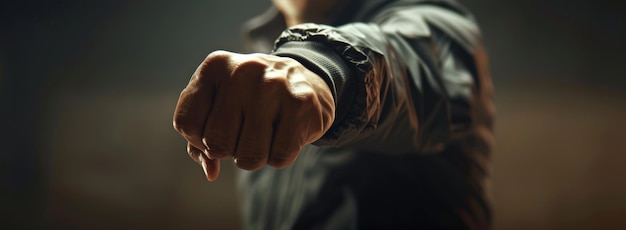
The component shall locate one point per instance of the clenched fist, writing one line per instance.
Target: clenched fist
(255, 108)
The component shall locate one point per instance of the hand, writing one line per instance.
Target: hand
(258, 109)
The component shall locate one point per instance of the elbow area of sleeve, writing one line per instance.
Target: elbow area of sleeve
(323, 61)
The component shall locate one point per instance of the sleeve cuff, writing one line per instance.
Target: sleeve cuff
(327, 64)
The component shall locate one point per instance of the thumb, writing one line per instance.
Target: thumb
(210, 167)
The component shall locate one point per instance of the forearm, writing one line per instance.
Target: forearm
(347, 69)
(410, 61)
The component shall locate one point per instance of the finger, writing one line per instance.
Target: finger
(287, 142)
(195, 100)
(223, 125)
(210, 167)
(255, 140)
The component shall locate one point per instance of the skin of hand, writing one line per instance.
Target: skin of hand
(258, 109)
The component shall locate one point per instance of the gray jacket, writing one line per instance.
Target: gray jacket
(413, 133)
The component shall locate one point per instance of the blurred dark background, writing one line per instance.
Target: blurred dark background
(87, 90)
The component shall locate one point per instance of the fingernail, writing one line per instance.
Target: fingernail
(204, 168)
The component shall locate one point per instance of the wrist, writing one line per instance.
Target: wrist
(328, 65)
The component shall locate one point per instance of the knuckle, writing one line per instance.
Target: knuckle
(182, 125)
(276, 83)
(249, 68)
(275, 88)
(215, 66)
(185, 116)
(249, 157)
(307, 99)
(250, 162)
(177, 124)
(217, 145)
(218, 55)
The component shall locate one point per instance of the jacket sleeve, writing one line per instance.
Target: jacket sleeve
(414, 61)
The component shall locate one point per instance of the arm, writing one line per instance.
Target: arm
(416, 59)
(261, 109)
